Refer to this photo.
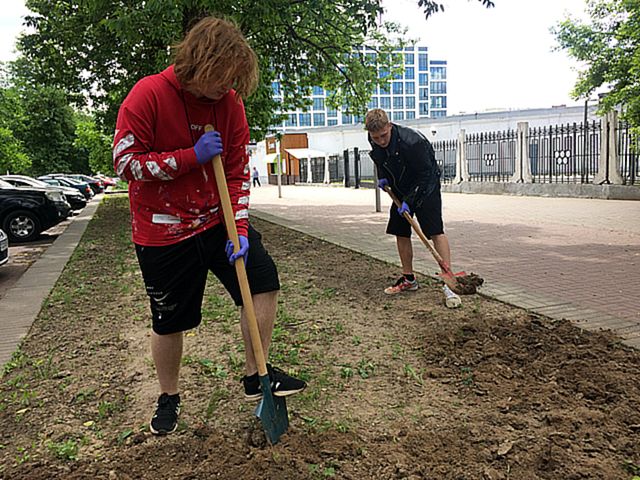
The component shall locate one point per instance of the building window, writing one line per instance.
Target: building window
(318, 120)
(385, 103)
(424, 109)
(438, 114)
(409, 73)
(439, 87)
(346, 119)
(275, 86)
(384, 89)
(291, 121)
(373, 103)
(423, 64)
(423, 79)
(398, 115)
(305, 119)
(409, 88)
(424, 94)
(438, 102)
(318, 103)
(332, 112)
(398, 103)
(438, 73)
(398, 88)
(409, 59)
(411, 115)
(318, 91)
(332, 122)
(410, 102)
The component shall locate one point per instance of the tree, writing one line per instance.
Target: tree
(13, 157)
(48, 135)
(94, 145)
(609, 46)
(431, 7)
(97, 49)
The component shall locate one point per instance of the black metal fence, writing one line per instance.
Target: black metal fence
(557, 154)
(565, 153)
(491, 156)
(629, 154)
(446, 152)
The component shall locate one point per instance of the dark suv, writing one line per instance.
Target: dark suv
(26, 212)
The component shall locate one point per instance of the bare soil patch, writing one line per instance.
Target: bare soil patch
(399, 387)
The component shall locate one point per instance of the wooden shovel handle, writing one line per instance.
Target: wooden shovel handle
(443, 265)
(241, 272)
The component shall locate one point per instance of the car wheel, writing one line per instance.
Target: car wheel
(21, 226)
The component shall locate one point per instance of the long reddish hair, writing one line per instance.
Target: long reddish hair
(216, 52)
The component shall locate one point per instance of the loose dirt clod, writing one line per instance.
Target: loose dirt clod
(468, 284)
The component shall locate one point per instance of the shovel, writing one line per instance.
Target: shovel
(460, 282)
(272, 410)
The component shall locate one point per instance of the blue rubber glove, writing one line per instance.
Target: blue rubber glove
(383, 182)
(404, 208)
(208, 146)
(242, 252)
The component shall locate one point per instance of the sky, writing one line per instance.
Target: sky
(498, 58)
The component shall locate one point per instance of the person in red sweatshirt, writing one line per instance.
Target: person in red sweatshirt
(161, 150)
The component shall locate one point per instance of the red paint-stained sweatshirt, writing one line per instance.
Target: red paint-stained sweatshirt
(171, 196)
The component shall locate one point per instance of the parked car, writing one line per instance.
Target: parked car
(83, 188)
(96, 185)
(108, 181)
(72, 195)
(26, 212)
(4, 248)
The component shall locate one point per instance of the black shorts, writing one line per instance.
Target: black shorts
(175, 276)
(428, 214)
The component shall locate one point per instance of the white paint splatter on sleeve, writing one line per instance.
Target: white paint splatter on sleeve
(124, 143)
(157, 172)
(122, 164)
(240, 214)
(243, 200)
(171, 162)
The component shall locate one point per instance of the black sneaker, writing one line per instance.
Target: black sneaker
(165, 419)
(252, 391)
(282, 384)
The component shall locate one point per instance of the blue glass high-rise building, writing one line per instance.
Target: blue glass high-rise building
(419, 92)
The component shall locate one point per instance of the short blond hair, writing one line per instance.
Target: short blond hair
(375, 120)
(216, 52)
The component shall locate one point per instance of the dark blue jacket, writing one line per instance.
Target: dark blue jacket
(409, 164)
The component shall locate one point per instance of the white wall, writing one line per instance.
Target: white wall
(334, 140)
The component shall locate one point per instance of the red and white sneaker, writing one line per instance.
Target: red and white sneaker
(402, 285)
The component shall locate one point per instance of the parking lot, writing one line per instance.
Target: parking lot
(22, 255)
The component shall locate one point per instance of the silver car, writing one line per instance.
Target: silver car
(4, 248)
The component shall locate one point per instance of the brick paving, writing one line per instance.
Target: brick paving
(567, 258)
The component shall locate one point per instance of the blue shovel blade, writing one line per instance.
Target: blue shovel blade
(272, 412)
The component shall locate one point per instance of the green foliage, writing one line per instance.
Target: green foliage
(609, 46)
(96, 50)
(94, 145)
(13, 158)
(65, 450)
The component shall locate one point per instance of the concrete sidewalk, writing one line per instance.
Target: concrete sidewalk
(21, 304)
(567, 258)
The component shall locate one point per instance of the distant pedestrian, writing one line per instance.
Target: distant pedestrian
(256, 177)
(406, 163)
(163, 152)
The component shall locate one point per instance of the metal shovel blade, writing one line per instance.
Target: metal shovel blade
(272, 412)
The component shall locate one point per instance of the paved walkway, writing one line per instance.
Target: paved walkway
(570, 258)
(21, 304)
